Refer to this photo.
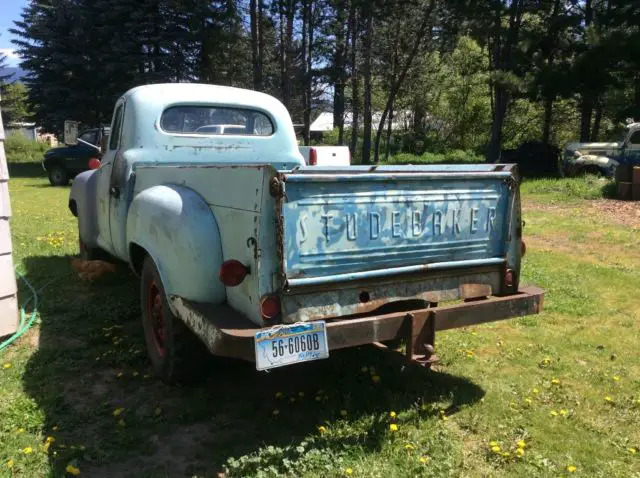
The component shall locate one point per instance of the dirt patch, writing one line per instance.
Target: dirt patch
(626, 213)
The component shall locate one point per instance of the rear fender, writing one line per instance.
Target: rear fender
(176, 227)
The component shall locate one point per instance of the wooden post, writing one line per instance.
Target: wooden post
(8, 289)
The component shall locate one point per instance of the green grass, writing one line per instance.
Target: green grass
(567, 381)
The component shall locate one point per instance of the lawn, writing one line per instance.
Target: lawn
(556, 394)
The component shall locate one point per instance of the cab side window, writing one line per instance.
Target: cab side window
(114, 140)
(635, 138)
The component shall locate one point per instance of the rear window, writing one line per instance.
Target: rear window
(215, 120)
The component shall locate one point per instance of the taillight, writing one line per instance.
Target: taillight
(94, 163)
(232, 272)
(313, 157)
(269, 307)
(509, 277)
(523, 248)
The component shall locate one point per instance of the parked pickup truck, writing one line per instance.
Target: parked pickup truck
(326, 155)
(244, 251)
(603, 158)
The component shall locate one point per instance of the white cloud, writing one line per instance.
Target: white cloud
(12, 57)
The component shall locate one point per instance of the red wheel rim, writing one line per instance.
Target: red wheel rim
(155, 309)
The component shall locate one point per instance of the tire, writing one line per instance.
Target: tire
(177, 355)
(58, 175)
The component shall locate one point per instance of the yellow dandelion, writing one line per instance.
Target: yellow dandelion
(607, 398)
(633, 450)
(553, 413)
(469, 353)
(7, 365)
(135, 374)
(121, 422)
(493, 443)
(506, 454)
(364, 369)
(375, 378)
(158, 411)
(474, 333)
(322, 429)
(521, 444)
(118, 411)
(495, 449)
(393, 427)
(520, 452)
(424, 459)
(616, 378)
(408, 446)
(72, 470)
(318, 398)
(392, 414)
(275, 412)
(343, 413)
(564, 412)
(279, 394)
(536, 391)
(10, 463)
(528, 401)
(348, 471)
(20, 430)
(571, 469)
(555, 381)
(27, 451)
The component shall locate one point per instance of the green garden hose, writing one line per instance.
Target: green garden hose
(24, 325)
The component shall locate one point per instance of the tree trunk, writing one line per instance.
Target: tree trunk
(283, 50)
(548, 118)
(389, 128)
(595, 132)
(355, 90)
(366, 71)
(397, 83)
(308, 75)
(305, 73)
(340, 70)
(289, 48)
(495, 140)
(586, 112)
(255, 44)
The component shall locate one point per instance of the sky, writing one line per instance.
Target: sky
(10, 10)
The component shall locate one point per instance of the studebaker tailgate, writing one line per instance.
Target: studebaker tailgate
(347, 224)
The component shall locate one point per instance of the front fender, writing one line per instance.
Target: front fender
(83, 203)
(176, 227)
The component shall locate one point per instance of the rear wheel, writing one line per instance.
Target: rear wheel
(176, 354)
(58, 175)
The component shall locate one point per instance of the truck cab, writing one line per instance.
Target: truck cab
(243, 250)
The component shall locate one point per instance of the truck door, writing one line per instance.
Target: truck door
(632, 149)
(105, 191)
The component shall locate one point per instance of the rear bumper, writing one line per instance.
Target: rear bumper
(229, 334)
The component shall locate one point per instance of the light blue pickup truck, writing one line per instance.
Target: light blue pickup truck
(243, 250)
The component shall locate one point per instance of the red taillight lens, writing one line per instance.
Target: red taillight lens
(313, 157)
(94, 163)
(232, 272)
(269, 307)
(523, 248)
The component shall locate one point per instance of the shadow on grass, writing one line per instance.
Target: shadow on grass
(90, 377)
(26, 170)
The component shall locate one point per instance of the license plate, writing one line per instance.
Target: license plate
(289, 344)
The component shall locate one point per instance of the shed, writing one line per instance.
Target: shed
(8, 289)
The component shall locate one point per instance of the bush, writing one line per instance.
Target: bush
(22, 150)
(455, 156)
